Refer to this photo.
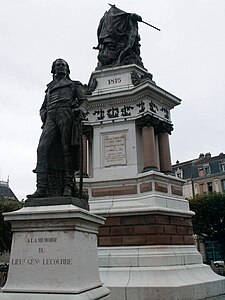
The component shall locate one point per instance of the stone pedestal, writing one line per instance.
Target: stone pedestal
(146, 247)
(158, 273)
(53, 255)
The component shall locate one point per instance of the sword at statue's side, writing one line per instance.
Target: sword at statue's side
(150, 25)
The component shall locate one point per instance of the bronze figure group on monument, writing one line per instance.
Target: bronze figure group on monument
(65, 106)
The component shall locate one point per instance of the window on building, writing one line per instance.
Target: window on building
(206, 169)
(223, 185)
(179, 173)
(200, 172)
(213, 250)
(210, 187)
(201, 188)
(222, 166)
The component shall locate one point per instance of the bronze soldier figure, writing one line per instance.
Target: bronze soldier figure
(118, 39)
(64, 106)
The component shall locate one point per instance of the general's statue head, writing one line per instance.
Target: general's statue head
(60, 67)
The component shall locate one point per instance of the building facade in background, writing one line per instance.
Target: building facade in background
(203, 175)
(5, 190)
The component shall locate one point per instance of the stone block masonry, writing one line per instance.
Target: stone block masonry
(146, 230)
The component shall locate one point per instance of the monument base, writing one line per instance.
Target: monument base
(158, 273)
(53, 255)
(97, 293)
(32, 202)
(146, 246)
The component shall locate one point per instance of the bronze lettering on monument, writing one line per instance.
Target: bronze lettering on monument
(115, 80)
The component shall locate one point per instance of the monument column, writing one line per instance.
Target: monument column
(149, 149)
(164, 153)
(164, 149)
(148, 125)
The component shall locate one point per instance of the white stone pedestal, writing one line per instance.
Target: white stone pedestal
(146, 247)
(150, 255)
(53, 255)
(158, 273)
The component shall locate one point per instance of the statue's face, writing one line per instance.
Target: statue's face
(60, 67)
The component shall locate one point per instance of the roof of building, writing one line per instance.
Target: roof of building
(6, 191)
(191, 168)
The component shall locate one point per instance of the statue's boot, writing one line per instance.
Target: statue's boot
(39, 193)
(68, 184)
(41, 186)
(67, 191)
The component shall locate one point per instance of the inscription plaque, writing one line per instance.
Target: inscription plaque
(115, 149)
(39, 251)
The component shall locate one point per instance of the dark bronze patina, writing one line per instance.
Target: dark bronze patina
(118, 39)
(64, 107)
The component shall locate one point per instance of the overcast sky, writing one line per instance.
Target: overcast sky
(186, 58)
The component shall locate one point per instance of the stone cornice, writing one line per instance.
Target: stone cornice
(159, 125)
(145, 89)
(164, 127)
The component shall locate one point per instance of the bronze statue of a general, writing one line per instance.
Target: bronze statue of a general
(64, 106)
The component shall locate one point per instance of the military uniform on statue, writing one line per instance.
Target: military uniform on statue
(54, 234)
(64, 106)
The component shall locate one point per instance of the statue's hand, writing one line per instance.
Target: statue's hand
(136, 17)
(79, 112)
